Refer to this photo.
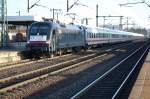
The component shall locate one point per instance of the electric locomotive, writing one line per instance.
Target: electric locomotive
(49, 38)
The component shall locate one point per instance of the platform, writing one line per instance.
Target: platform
(141, 89)
(9, 55)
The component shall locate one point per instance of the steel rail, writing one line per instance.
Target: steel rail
(3, 90)
(121, 86)
(38, 71)
(31, 62)
(81, 92)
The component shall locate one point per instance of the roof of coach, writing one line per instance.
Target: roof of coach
(106, 30)
(136, 34)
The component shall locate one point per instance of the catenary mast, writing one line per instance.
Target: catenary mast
(3, 24)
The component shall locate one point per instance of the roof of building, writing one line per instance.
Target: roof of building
(20, 20)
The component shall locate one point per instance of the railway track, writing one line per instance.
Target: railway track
(26, 65)
(17, 82)
(35, 73)
(14, 63)
(77, 78)
(110, 85)
(11, 83)
(31, 66)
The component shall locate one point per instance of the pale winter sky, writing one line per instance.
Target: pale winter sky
(138, 13)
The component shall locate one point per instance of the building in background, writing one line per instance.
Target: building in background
(16, 30)
(17, 27)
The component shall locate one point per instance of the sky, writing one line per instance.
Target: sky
(138, 13)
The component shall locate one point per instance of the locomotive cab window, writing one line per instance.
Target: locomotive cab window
(40, 29)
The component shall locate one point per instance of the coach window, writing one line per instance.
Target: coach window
(103, 35)
(94, 35)
(107, 35)
(113, 35)
(123, 36)
(91, 35)
(97, 35)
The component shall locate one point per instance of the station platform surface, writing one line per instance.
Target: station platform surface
(9, 55)
(141, 88)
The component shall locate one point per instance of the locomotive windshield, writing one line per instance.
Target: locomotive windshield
(40, 28)
(39, 31)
